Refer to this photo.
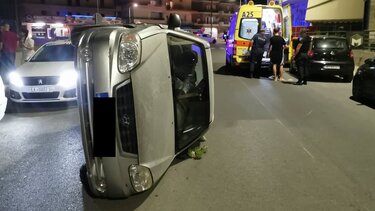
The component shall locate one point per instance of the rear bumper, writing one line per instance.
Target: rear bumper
(330, 67)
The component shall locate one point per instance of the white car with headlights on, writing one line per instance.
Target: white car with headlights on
(3, 99)
(49, 76)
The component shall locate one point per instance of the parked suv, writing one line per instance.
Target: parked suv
(330, 55)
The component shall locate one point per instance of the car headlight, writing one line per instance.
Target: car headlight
(140, 177)
(129, 52)
(68, 79)
(15, 79)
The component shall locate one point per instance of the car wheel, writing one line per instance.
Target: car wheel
(12, 107)
(348, 78)
(356, 90)
(85, 181)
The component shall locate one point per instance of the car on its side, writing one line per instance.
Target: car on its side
(3, 99)
(48, 76)
(364, 81)
(331, 55)
(145, 96)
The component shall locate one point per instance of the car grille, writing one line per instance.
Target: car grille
(126, 118)
(43, 80)
(41, 95)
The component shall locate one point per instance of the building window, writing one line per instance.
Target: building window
(57, 13)
(43, 12)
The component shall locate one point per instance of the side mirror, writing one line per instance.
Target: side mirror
(174, 21)
(225, 36)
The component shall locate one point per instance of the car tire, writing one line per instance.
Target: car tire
(213, 41)
(348, 78)
(12, 107)
(85, 181)
(356, 91)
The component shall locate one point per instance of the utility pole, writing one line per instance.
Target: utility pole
(211, 19)
(97, 6)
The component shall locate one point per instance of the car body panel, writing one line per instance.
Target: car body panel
(364, 80)
(153, 102)
(3, 99)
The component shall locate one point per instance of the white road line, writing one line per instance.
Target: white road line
(280, 122)
(307, 151)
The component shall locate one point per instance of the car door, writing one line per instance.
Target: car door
(368, 77)
(190, 82)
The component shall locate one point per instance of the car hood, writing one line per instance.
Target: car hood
(30, 69)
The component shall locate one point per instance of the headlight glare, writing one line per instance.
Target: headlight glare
(140, 177)
(129, 52)
(15, 79)
(68, 79)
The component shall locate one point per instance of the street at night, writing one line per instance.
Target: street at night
(272, 146)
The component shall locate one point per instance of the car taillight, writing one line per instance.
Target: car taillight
(350, 54)
(310, 53)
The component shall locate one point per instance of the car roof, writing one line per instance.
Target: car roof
(59, 42)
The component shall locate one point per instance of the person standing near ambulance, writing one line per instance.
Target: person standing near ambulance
(256, 54)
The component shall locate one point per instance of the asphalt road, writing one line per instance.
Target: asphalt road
(273, 146)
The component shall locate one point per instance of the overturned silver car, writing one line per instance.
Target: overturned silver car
(145, 95)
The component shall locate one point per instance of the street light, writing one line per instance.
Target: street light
(130, 6)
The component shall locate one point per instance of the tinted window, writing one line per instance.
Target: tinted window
(330, 43)
(54, 53)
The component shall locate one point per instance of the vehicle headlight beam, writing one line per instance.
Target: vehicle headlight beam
(15, 79)
(68, 79)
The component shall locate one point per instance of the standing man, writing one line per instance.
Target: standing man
(256, 54)
(8, 47)
(276, 53)
(300, 57)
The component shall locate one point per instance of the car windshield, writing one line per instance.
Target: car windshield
(330, 43)
(54, 53)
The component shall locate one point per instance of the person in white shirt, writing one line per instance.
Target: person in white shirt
(27, 46)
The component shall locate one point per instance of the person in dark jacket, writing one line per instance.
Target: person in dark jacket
(256, 54)
(300, 57)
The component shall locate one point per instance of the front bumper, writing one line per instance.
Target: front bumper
(48, 93)
(3, 106)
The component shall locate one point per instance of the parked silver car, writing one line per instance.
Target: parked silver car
(145, 95)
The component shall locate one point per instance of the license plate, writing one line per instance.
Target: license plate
(245, 52)
(332, 67)
(40, 89)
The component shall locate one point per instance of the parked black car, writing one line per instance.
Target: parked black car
(330, 55)
(364, 81)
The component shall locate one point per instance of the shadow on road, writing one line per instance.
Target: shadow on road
(321, 78)
(364, 102)
(240, 72)
(38, 107)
